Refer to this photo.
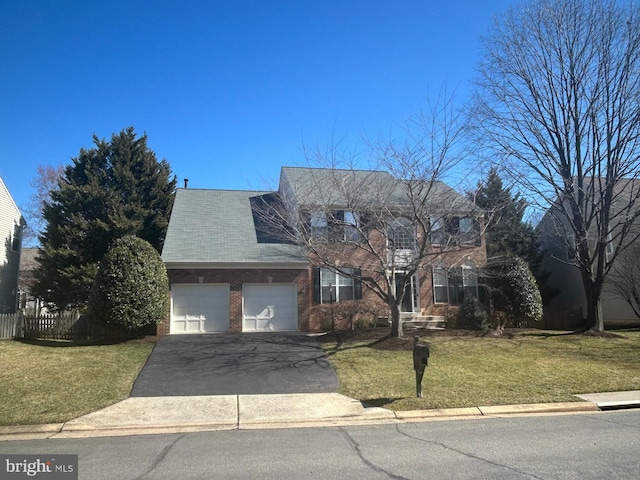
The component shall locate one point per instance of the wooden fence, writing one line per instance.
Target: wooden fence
(48, 327)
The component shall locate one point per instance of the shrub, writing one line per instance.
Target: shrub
(514, 291)
(131, 287)
(349, 314)
(472, 315)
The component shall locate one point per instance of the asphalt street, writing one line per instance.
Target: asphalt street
(580, 446)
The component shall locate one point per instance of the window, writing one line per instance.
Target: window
(335, 226)
(319, 226)
(402, 235)
(453, 285)
(352, 225)
(609, 248)
(16, 240)
(469, 231)
(440, 294)
(469, 282)
(331, 287)
(454, 231)
(456, 289)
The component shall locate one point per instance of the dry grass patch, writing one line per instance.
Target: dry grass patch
(467, 371)
(55, 381)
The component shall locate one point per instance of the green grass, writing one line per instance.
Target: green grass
(52, 382)
(533, 367)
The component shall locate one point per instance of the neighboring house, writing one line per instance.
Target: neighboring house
(568, 309)
(12, 225)
(228, 272)
(26, 301)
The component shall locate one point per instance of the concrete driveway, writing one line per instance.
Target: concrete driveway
(236, 364)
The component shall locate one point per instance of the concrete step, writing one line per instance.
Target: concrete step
(430, 322)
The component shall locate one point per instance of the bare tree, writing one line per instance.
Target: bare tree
(559, 104)
(45, 181)
(384, 221)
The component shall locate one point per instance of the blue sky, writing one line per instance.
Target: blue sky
(227, 91)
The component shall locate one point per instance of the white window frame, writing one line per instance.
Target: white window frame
(469, 277)
(403, 230)
(441, 272)
(469, 280)
(609, 250)
(336, 283)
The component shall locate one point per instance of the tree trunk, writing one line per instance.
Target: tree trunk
(595, 319)
(396, 323)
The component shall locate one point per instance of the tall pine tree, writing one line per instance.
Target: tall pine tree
(115, 189)
(507, 235)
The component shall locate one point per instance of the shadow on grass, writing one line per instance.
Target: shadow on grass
(380, 402)
(583, 332)
(340, 348)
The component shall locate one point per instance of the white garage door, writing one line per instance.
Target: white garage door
(199, 308)
(269, 307)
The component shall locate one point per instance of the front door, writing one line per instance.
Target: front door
(410, 298)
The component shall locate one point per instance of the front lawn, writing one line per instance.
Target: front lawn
(55, 381)
(468, 371)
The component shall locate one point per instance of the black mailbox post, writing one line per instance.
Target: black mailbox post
(420, 361)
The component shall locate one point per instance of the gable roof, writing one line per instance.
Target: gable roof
(7, 203)
(352, 188)
(217, 227)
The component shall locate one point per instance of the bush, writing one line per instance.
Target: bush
(514, 291)
(131, 287)
(349, 314)
(472, 315)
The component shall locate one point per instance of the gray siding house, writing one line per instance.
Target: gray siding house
(11, 227)
(568, 309)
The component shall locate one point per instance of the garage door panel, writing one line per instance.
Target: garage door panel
(270, 307)
(199, 308)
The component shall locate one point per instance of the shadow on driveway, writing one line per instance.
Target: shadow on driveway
(236, 364)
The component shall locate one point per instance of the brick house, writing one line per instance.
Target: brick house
(232, 269)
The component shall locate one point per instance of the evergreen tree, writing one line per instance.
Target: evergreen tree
(507, 234)
(115, 189)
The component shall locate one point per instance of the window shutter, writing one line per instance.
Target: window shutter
(357, 284)
(316, 285)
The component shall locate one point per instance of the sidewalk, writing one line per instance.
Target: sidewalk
(153, 415)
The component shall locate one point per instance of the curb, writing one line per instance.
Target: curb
(61, 430)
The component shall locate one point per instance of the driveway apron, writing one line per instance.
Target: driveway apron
(236, 364)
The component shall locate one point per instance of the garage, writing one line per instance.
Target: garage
(269, 307)
(197, 308)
